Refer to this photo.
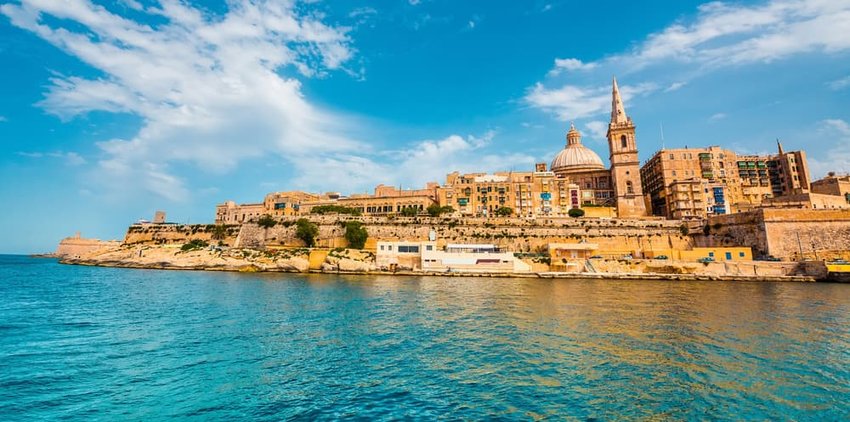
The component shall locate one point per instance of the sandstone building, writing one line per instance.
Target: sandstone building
(700, 182)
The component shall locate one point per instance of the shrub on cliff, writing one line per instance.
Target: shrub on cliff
(504, 211)
(334, 209)
(193, 245)
(306, 231)
(266, 222)
(576, 213)
(355, 234)
(409, 211)
(436, 210)
(219, 232)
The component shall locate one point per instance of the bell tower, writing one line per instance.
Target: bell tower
(625, 165)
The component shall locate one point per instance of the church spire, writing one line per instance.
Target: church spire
(618, 110)
(779, 144)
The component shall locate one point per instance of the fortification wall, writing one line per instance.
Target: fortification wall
(72, 247)
(159, 234)
(511, 234)
(783, 233)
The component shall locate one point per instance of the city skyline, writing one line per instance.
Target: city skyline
(177, 107)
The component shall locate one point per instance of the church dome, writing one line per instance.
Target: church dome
(576, 156)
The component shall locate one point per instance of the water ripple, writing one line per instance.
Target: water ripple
(85, 343)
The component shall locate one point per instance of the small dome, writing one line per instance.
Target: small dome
(576, 156)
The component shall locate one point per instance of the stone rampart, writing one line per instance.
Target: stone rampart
(510, 234)
(783, 233)
(160, 234)
(71, 247)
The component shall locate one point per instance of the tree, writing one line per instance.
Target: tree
(355, 234)
(219, 232)
(409, 211)
(266, 222)
(334, 209)
(306, 231)
(576, 213)
(436, 210)
(504, 211)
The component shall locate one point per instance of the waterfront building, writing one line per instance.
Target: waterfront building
(700, 182)
(833, 184)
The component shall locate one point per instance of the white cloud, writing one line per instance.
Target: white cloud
(675, 86)
(719, 35)
(574, 102)
(840, 84)
(3, 119)
(597, 130)
(837, 156)
(570, 65)
(210, 90)
(717, 116)
(424, 161)
(70, 158)
(724, 34)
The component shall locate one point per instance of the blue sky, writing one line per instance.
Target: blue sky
(111, 110)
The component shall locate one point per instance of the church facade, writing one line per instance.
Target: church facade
(619, 185)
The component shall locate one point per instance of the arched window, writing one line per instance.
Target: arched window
(623, 142)
(629, 188)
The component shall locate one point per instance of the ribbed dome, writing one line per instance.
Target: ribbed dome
(576, 156)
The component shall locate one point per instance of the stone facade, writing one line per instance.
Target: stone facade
(701, 182)
(782, 233)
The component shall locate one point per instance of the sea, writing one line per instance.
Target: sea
(109, 344)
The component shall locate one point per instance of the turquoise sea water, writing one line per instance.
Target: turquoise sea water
(81, 343)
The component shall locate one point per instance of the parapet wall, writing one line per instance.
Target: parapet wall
(783, 233)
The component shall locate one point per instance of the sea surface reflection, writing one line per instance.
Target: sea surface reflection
(112, 344)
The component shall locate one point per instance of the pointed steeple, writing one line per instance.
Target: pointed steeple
(618, 110)
(779, 144)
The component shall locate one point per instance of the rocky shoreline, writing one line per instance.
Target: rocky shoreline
(348, 262)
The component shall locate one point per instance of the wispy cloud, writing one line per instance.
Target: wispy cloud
(69, 158)
(562, 65)
(675, 86)
(422, 161)
(840, 84)
(3, 119)
(719, 35)
(837, 156)
(575, 102)
(717, 116)
(212, 91)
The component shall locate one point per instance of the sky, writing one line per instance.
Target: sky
(111, 110)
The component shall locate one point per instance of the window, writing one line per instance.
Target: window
(711, 254)
(431, 248)
(729, 256)
(740, 254)
(408, 249)
(671, 156)
(382, 247)
(629, 188)
(623, 142)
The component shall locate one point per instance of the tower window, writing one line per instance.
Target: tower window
(623, 142)
(629, 188)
